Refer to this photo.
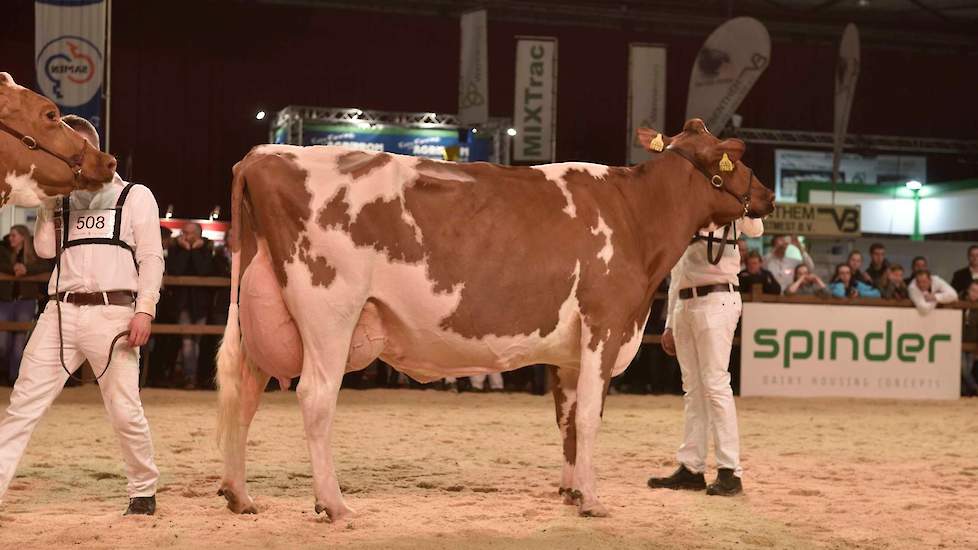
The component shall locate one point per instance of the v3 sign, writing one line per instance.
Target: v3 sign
(535, 106)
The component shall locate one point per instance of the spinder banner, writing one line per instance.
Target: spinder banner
(69, 39)
(646, 95)
(850, 351)
(726, 68)
(814, 220)
(846, 75)
(535, 108)
(473, 85)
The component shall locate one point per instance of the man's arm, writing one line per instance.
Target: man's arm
(917, 297)
(944, 292)
(673, 295)
(149, 249)
(44, 235)
(751, 227)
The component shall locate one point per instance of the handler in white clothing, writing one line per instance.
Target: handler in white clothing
(111, 270)
(703, 311)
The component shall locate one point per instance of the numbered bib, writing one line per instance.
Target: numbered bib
(91, 224)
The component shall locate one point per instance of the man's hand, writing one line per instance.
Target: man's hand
(20, 270)
(139, 329)
(669, 342)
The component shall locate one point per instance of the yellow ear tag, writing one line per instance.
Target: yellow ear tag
(725, 164)
(657, 144)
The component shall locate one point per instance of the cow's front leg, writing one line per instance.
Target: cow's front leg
(563, 382)
(324, 363)
(597, 362)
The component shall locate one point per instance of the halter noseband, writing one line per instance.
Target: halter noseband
(716, 180)
(74, 163)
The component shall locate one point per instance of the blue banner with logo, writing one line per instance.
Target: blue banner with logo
(69, 43)
(418, 142)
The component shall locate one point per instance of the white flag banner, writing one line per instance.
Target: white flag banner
(727, 66)
(846, 76)
(646, 95)
(535, 108)
(473, 86)
(69, 39)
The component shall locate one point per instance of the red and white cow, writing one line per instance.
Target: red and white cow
(445, 269)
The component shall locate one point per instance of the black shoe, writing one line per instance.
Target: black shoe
(682, 478)
(726, 485)
(141, 506)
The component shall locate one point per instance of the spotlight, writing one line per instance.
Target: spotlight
(169, 211)
(215, 212)
(260, 115)
(475, 130)
(511, 132)
(914, 185)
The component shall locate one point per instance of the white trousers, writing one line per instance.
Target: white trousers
(704, 329)
(88, 332)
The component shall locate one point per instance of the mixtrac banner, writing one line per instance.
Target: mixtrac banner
(418, 142)
(535, 104)
(850, 351)
(69, 39)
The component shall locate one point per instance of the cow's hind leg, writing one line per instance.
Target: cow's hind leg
(233, 487)
(327, 346)
(564, 385)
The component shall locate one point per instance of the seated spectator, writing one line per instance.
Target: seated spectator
(844, 285)
(918, 264)
(754, 274)
(855, 262)
(926, 291)
(963, 277)
(782, 267)
(892, 286)
(191, 255)
(877, 263)
(969, 386)
(806, 283)
(18, 300)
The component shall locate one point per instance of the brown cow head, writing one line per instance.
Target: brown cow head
(30, 174)
(716, 163)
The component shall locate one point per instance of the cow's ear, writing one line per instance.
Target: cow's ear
(725, 155)
(6, 79)
(653, 140)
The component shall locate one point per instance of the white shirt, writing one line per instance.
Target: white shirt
(783, 268)
(694, 269)
(100, 267)
(944, 293)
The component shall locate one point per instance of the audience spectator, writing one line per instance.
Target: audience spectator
(918, 264)
(892, 286)
(781, 266)
(963, 277)
(191, 255)
(877, 263)
(969, 386)
(755, 274)
(855, 262)
(807, 283)
(742, 248)
(166, 238)
(844, 285)
(926, 291)
(18, 300)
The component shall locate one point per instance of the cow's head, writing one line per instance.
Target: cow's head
(40, 156)
(717, 164)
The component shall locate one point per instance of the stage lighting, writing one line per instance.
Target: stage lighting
(260, 115)
(914, 185)
(511, 132)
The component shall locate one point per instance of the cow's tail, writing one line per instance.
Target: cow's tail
(231, 360)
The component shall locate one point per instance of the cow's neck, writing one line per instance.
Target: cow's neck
(671, 204)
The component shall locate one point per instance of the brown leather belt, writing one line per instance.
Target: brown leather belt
(109, 298)
(700, 291)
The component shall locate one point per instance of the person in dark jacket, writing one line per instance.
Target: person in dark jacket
(963, 277)
(755, 274)
(191, 255)
(892, 286)
(18, 300)
(969, 333)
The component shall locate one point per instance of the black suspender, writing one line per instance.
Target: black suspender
(724, 241)
(115, 240)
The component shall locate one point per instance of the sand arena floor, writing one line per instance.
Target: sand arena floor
(438, 470)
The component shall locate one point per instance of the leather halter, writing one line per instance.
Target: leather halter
(716, 180)
(74, 163)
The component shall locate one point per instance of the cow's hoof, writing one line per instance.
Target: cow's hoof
(593, 510)
(568, 496)
(237, 505)
(343, 512)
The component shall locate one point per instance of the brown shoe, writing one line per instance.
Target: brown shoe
(141, 506)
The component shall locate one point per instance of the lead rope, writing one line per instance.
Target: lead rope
(58, 235)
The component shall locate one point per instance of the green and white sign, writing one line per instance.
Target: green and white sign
(850, 351)
(535, 107)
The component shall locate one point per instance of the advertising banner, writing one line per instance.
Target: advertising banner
(646, 95)
(850, 351)
(846, 75)
(420, 142)
(794, 165)
(726, 68)
(535, 108)
(69, 39)
(473, 86)
(814, 220)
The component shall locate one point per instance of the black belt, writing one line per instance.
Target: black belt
(110, 298)
(700, 291)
